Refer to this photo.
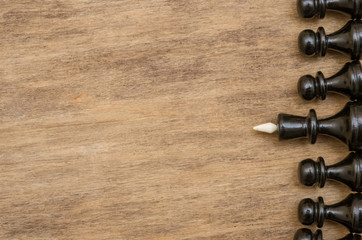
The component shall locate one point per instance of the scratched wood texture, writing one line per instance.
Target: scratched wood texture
(133, 119)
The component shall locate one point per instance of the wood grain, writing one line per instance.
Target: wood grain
(131, 119)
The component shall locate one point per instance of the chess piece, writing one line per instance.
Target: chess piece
(348, 171)
(311, 8)
(345, 126)
(348, 81)
(347, 40)
(306, 234)
(348, 212)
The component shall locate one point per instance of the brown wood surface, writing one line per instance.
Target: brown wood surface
(133, 119)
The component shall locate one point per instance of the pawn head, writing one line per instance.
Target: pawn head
(306, 8)
(306, 87)
(306, 234)
(307, 42)
(306, 211)
(307, 172)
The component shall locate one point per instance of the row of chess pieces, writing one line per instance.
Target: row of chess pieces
(346, 125)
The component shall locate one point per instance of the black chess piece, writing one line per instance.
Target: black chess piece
(347, 40)
(307, 234)
(348, 171)
(348, 81)
(311, 8)
(348, 212)
(345, 126)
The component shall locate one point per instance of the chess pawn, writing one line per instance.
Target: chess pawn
(348, 171)
(311, 8)
(348, 81)
(306, 234)
(347, 212)
(347, 40)
(345, 126)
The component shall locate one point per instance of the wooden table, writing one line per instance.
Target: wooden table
(133, 119)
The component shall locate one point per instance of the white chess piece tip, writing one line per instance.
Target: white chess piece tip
(266, 127)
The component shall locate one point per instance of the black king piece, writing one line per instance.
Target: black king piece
(306, 234)
(348, 212)
(347, 81)
(311, 8)
(347, 40)
(348, 171)
(345, 126)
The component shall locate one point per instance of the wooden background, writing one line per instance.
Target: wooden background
(132, 119)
